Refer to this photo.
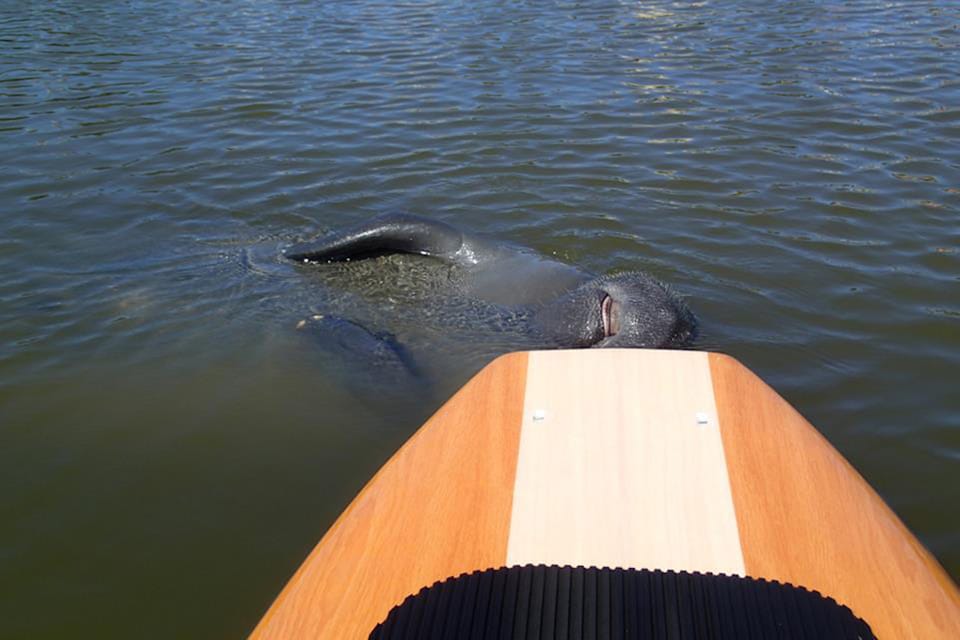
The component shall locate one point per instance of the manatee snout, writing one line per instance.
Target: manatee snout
(630, 309)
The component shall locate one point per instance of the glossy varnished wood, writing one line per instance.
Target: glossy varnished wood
(647, 459)
(439, 507)
(807, 517)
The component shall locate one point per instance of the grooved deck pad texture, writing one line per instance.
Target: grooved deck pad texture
(620, 458)
(550, 602)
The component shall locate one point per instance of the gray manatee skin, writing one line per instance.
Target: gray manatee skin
(568, 307)
(365, 359)
(346, 339)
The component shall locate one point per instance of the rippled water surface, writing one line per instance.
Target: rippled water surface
(171, 447)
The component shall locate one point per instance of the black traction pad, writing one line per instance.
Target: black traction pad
(533, 602)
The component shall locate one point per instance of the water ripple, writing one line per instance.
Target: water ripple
(792, 167)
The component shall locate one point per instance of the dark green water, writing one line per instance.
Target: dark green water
(170, 448)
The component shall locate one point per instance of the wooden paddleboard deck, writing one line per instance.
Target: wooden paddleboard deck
(672, 460)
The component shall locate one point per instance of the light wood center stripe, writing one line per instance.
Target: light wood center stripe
(582, 495)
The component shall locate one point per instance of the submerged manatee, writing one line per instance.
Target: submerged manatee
(563, 306)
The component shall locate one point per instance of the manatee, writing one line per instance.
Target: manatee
(344, 338)
(558, 305)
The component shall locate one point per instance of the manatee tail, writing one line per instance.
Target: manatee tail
(391, 233)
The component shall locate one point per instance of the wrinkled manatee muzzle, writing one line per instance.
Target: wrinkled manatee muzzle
(630, 309)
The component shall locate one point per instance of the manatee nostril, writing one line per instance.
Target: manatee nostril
(606, 313)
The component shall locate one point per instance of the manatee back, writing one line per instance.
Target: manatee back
(514, 277)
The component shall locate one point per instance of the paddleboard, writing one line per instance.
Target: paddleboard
(678, 473)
